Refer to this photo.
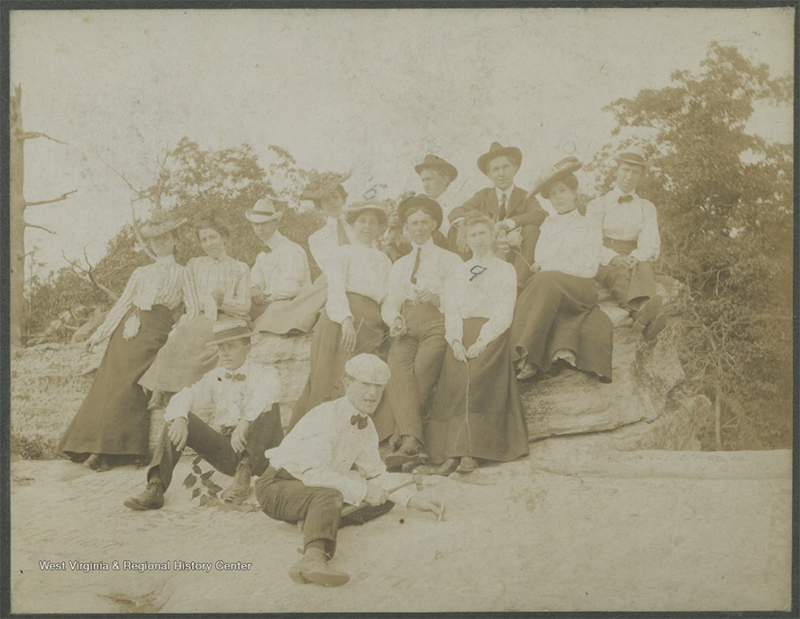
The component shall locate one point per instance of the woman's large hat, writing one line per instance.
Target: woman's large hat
(263, 211)
(568, 165)
(432, 162)
(498, 150)
(421, 200)
(320, 185)
(352, 211)
(160, 223)
(229, 330)
(633, 155)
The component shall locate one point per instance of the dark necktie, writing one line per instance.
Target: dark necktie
(501, 212)
(358, 420)
(625, 199)
(416, 266)
(236, 376)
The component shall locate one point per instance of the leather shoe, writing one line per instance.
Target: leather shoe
(313, 567)
(467, 465)
(447, 467)
(151, 498)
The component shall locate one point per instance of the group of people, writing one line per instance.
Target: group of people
(423, 320)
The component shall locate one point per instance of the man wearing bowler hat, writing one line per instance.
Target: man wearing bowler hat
(413, 312)
(437, 175)
(311, 476)
(281, 268)
(517, 218)
(631, 244)
(243, 396)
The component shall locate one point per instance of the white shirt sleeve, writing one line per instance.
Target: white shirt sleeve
(337, 305)
(189, 296)
(390, 309)
(649, 243)
(188, 397)
(237, 296)
(369, 461)
(122, 305)
(502, 308)
(257, 279)
(293, 272)
(453, 323)
(265, 393)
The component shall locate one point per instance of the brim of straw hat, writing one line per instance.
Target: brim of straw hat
(352, 212)
(257, 218)
(553, 175)
(230, 338)
(325, 185)
(150, 230)
(632, 159)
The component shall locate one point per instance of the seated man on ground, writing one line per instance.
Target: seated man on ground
(310, 477)
(631, 244)
(243, 396)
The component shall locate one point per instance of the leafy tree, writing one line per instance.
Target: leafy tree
(724, 199)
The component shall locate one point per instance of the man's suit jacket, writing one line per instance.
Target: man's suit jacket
(521, 209)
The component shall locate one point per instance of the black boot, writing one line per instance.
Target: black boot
(151, 498)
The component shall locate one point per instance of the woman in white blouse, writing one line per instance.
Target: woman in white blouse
(113, 419)
(476, 412)
(557, 316)
(299, 314)
(220, 287)
(351, 323)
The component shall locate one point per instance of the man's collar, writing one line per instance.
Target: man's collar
(274, 240)
(427, 246)
(508, 191)
(245, 369)
(346, 408)
(616, 193)
(165, 259)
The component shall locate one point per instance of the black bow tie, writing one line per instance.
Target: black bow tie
(625, 199)
(237, 376)
(358, 419)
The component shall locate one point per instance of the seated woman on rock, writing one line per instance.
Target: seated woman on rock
(220, 288)
(113, 419)
(358, 279)
(477, 412)
(557, 317)
(300, 314)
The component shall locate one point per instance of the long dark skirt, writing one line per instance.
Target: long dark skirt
(328, 357)
(113, 418)
(559, 311)
(184, 359)
(477, 410)
(298, 314)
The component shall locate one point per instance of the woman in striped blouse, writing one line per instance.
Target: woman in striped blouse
(220, 287)
(113, 419)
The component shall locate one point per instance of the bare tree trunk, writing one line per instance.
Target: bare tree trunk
(718, 416)
(17, 216)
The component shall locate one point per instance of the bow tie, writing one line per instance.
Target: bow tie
(358, 419)
(237, 376)
(625, 199)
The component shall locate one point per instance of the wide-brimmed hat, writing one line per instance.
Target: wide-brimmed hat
(498, 150)
(633, 155)
(320, 185)
(160, 223)
(352, 211)
(368, 369)
(229, 330)
(420, 200)
(263, 211)
(568, 165)
(432, 162)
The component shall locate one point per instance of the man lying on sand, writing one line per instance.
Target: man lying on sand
(310, 480)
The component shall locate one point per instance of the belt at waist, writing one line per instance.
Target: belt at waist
(619, 246)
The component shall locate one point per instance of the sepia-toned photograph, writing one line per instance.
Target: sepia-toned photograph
(400, 309)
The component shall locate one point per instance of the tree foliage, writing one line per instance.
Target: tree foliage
(724, 199)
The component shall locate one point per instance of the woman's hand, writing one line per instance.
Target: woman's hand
(426, 296)
(179, 432)
(514, 238)
(426, 505)
(477, 348)
(536, 267)
(90, 344)
(348, 334)
(459, 352)
(398, 328)
(624, 261)
(257, 296)
(238, 441)
(218, 296)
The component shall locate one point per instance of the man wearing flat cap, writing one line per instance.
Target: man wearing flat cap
(311, 478)
(243, 396)
(413, 312)
(631, 244)
(281, 268)
(517, 217)
(436, 175)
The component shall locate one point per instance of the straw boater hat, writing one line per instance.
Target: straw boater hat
(420, 200)
(263, 211)
(320, 185)
(160, 223)
(352, 211)
(432, 162)
(368, 369)
(633, 155)
(228, 330)
(498, 150)
(568, 165)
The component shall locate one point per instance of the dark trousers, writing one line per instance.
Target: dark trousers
(415, 360)
(215, 447)
(631, 288)
(283, 497)
(521, 257)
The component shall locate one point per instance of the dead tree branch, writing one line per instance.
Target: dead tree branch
(89, 275)
(32, 135)
(63, 196)
(38, 227)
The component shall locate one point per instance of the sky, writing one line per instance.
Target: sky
(365, 91)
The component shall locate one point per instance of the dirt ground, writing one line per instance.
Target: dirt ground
(566, 529)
